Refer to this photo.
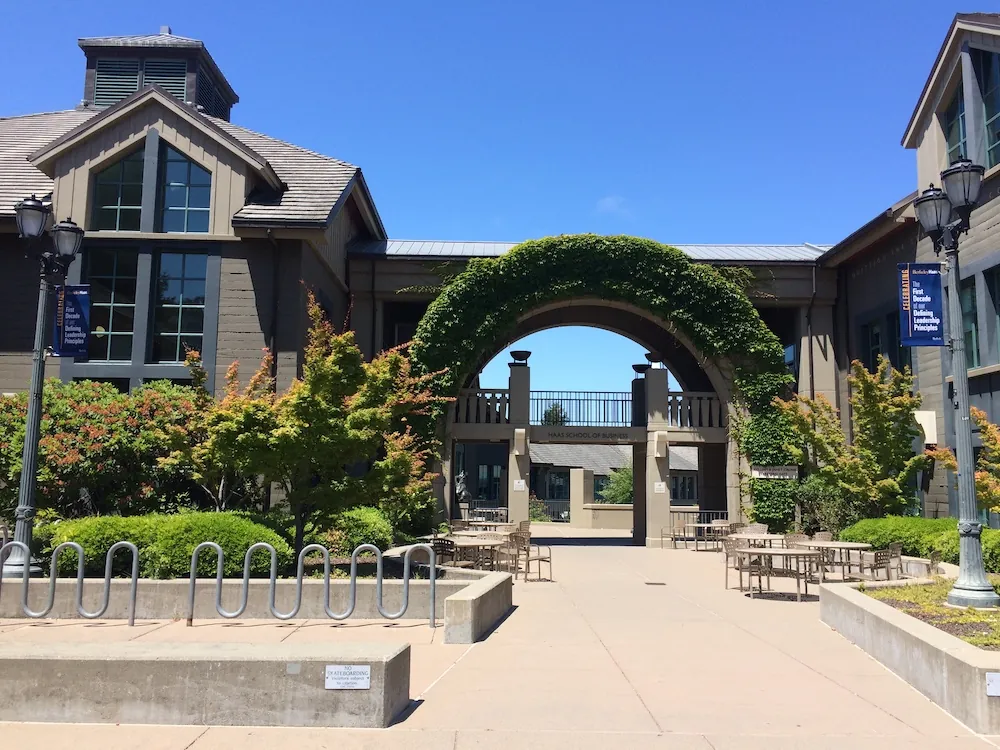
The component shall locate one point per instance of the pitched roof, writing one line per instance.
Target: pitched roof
(21, 136)
(603, 459)
(720, 253)
(988, 22)
(315, 185)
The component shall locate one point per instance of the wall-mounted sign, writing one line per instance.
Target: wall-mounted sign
(606, 435)
(72, 321)
(348, 677)
(660, 488)
(774, 472)
(921, 305)
(520, 485)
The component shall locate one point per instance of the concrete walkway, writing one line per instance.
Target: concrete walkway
(628, 648)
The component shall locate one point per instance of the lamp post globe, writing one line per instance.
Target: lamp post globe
(32, 216)
(961, 182)
(933, 211)
(67, 237)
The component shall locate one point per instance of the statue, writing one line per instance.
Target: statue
(461, 491)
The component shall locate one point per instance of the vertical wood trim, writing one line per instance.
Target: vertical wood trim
(975, 110)
(210, 333)
(143, 310)
(150, 173)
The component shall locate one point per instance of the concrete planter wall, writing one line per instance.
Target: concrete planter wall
(949, 671)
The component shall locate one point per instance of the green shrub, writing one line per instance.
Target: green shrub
(165, 543)
(921, 536)
(773, 503)
(357, 526)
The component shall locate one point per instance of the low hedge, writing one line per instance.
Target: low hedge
(921, 536)
(357, 526)
(165, 544)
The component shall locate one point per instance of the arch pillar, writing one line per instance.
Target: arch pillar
(657, 459)
(519, 458)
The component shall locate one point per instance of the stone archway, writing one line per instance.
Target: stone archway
(620, 281)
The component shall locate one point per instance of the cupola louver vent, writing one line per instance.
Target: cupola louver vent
(170, 75)
(115, 79)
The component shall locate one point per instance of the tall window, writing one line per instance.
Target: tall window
(179, 306)
(954, 125)
(970, 324)
(558, 485)
(683, 487)
(185, 190)
(898, 354)
(118, 195)
(111, 275)
(873, 341)
(987, 67)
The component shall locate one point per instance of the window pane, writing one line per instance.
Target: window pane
(112, 174)
(169, 291)
(195, 265)
(100, 319)
(127, 263)
(175, 196)
(100, 291)
(132, 169)
(175, 155)
(194, 292)
(173, 220)
(124, 291)
(122, 319)
(176, 173)
(197, 221)
(100, 262)
(172, 265)
(167, 319)
(193, 320)
(107, 219)
(132, 195)
(970, 324)
(107, 195)
(200, 176)
(121, 348)
(189, 342)
(97, 347)
(199, 197)
(165, 349)
(128, 220)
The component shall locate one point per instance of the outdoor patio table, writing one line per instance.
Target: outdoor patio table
(487, 525)
(764, 539)
(467, 542)
(795, 555)
(706, 527)
(843, 549)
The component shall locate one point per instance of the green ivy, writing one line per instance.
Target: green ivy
(480, 307)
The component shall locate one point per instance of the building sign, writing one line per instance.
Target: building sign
(921, 305)
(774, 472)
(348, 677)
(608, 435)
(72, 321)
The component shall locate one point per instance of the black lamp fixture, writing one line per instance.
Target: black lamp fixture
(520, 356)
(640, 369)
(935, 207)
(32, 217)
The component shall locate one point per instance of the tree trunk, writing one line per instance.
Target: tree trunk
(301, 515)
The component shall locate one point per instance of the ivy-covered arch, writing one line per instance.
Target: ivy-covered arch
(482, 305)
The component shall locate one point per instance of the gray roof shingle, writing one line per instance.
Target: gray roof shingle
(141, 40)
(314, 183)
(447, 249)
(603, 459)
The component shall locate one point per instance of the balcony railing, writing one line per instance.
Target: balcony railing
(482, 407)
(581, 408)
(691, 409)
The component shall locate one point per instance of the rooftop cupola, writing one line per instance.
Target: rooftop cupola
(118, 66)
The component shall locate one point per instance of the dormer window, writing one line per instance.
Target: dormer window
(186, 190)
(118, 195)
(953, 121)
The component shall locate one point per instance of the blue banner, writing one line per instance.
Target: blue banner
(921, 305)
(72, 324)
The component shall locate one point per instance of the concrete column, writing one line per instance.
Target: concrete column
(975, 110)
(581, 492)
(639, 493)
(657, 467)
(817, 364)
(519, 466)
(445, 497)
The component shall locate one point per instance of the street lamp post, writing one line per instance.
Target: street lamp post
(53, 260)
(944, 216)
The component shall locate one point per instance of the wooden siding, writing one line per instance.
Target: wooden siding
(345, 228)
(232, 178)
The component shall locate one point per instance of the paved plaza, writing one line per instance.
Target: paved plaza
(628, 648)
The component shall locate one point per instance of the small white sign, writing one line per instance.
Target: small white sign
(774, 472)
(348, 677)
(993, 684)
(520, 485)
(660, 488)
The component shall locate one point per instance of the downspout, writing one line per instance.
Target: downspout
(275, 281)
(809, 335)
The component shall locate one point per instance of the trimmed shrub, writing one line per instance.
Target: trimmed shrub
(165, 544)
(357, 526)
(921, 536)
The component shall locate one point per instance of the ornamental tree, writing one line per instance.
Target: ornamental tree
(873, 476)
(619, 489)
(555, 415)
(987, 464)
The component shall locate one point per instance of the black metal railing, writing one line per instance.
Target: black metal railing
(581, 408)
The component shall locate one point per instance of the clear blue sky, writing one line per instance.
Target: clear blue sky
(765, 122)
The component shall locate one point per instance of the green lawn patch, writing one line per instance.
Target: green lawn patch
(927, 602)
